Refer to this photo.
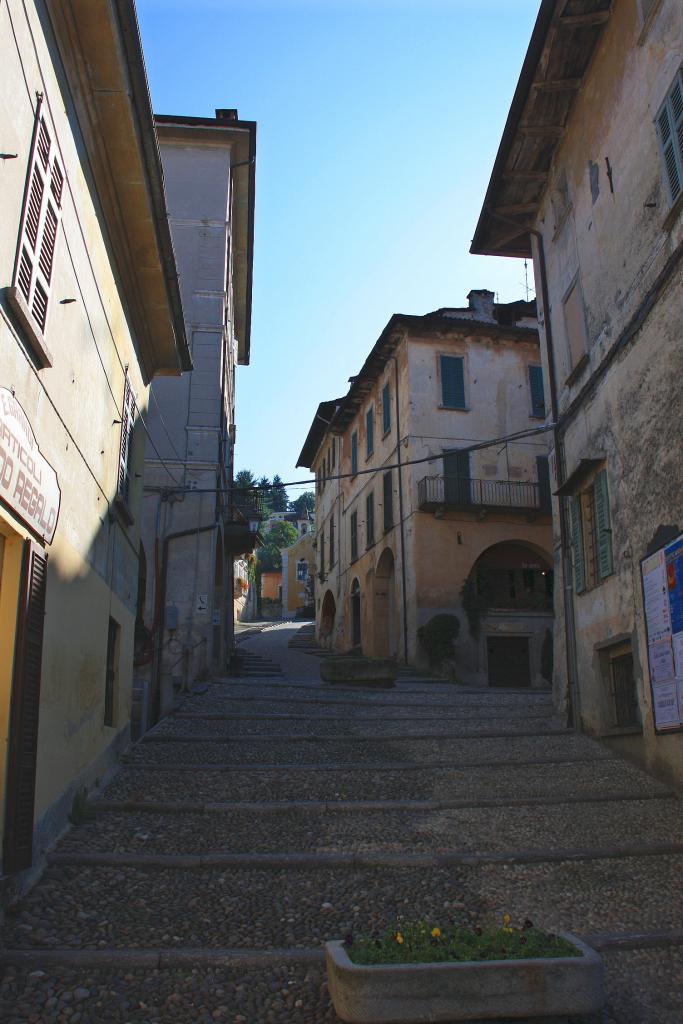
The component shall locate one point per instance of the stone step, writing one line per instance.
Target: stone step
(324, 728)
(379, 751)
(84, 906)
(367, 734)
(494, 829)
(246, 987)
(573, 778)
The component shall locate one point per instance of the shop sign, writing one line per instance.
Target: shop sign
(662, 575)
(28, 483)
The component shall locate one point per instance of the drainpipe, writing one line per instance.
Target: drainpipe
(573, 693)
(400, 514)
(168, 539)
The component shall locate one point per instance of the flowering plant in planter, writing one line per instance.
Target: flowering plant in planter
(423, 942)
(422, 972)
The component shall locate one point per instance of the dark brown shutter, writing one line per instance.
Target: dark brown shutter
(23, 737)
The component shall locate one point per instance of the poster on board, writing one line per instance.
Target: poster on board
(662, 579)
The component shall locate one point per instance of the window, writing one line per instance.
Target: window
(354, 452)
(38, 234)
(126, 447)
(536, 389)
(591, 534)
(322, 554)
(370, 520)
(388, 501)
(302, 571)
(575, 326)
(386, 409)
(334, 452)
(370, 431)
(331, 542)
(452, 382)
(670, 131)
(354, 536)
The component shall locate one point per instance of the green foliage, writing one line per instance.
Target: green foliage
(474, 602)
(281, 535)
(438, 637)
(304, 504)
(425, 942)
(279, 500)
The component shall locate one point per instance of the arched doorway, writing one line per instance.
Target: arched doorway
(512, 597)
(356, 633)
(384, 607)
(327, 615)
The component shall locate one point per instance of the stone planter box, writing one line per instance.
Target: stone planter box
(358, 671)
(467, 990)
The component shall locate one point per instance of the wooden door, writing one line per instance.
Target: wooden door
(24, 710)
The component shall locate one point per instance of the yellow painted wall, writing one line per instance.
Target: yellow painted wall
(270, 584)
(296, 590)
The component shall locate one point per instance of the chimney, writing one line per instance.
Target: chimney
(481, 303)
(226, 114)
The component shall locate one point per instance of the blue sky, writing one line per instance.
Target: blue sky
(378, 124)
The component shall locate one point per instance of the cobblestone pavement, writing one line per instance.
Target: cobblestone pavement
(268, 815)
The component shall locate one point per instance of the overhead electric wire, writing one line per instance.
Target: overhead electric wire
(477, 446)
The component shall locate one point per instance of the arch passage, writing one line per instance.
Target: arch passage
(327, 614)
(384, 607)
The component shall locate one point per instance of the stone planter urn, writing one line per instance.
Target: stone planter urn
(464, 990)
(358, 671)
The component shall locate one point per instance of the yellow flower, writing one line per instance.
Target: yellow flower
(436, 933)
(399, 938)
(506, 920)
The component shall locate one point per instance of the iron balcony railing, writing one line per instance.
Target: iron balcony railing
(458, 492)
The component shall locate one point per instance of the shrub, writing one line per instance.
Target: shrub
(438, 637)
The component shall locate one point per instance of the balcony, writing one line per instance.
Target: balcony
(459, 493)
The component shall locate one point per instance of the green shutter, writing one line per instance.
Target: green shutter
(577, 544)
(354, 452)
(386, 409)
(370, 430)
(670, 127)
(536, 387)
(452, 382)
(603, 531)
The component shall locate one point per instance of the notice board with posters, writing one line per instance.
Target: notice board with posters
(662, 577)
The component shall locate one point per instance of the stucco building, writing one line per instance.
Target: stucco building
(192, 528)
(411, 522)
(298, 571)
(589, 180)
(89, 312)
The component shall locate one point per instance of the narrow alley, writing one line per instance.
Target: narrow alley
(272, 812)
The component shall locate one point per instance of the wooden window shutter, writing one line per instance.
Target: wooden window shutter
(670, 130)
(576, 532)
(388, 501)
(537, 393)
(370, 430)
(603, 530)
(24, 710)
(354, 536)
(39, 222)
(386, 409)
(127, 424)
(354, 452)
(452, 382)
(370, 520)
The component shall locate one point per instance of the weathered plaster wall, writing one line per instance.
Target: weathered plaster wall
(73, 407)
(616, 243)
(439, 552)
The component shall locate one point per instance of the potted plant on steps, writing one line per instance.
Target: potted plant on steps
(419, 972)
